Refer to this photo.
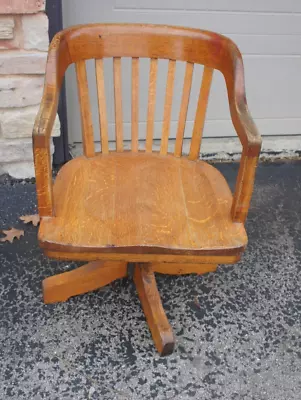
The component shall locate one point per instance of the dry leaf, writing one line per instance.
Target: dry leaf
(34, 219)
(11, 235)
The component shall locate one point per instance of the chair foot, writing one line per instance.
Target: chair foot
(84, 279)
(149, 296)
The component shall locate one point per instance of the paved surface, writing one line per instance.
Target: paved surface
(238, 330)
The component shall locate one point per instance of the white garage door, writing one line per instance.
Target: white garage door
(268, 33)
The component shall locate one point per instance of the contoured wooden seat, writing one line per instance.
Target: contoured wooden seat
(142, 203)
(138, 212)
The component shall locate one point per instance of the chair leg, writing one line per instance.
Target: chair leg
(84, 279)
(161, 331)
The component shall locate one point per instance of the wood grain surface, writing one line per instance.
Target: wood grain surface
(184, 108)
(149, 296)
(167, 106)
(85, 109)
(139, 257)
(102, 107)
(135, 104)
(199, 121)
(159, 204)
(118, 103)
(152, 86)
(182, 268)
(84, 279)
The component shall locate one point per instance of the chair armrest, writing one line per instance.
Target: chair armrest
(43, 127)
(244, 186)
(248, 135)
(57, 62)
(41, 149)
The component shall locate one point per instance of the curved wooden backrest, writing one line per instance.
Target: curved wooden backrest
(98, 41)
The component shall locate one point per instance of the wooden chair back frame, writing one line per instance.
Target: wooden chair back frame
(96, 41)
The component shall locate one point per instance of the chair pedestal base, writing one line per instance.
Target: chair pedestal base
(96, 274)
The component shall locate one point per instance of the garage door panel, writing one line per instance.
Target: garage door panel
(244, 23)
(273, 87)
(216, 5)
(257, 44)
(268, 32)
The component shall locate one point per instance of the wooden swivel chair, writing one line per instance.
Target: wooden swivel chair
(139, 212)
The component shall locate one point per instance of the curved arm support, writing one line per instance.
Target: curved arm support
(56, 64)
(246, 130)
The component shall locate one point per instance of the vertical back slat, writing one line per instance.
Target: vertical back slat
(200, 114)
(151, 104)
(135, 103)
(118, 103)
(184, 108)
(85, 110)
(167, 106)
(103, 119)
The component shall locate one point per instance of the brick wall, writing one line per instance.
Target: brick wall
(23, 53)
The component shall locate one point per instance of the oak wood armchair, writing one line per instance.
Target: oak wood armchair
(140, 210)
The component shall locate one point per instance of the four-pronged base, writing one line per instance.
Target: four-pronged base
(96, 274)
